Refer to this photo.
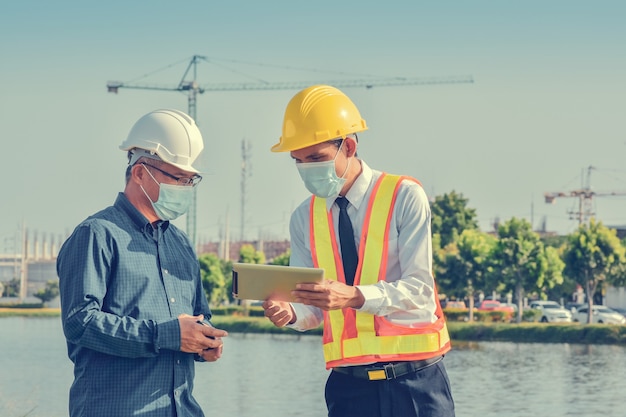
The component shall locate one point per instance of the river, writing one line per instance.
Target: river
(284, 375)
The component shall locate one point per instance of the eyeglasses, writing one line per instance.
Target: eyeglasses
(186, 181)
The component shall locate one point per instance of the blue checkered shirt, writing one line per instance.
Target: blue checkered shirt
(123, 284)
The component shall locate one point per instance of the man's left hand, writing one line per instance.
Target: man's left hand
(213, 354)
(329, 295)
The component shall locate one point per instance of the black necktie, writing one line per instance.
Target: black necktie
(349, 255)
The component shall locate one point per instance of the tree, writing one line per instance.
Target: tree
(12, 288)
(49, 293)
(594, 255)
(282, 259)
(466, 263)
(213, 280)
(553, 275)
(521, 263)
(450, 216)
(249, 255)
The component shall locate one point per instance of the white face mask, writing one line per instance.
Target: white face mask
(173, 200)
(321, 179)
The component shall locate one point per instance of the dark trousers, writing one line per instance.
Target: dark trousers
(425, 393)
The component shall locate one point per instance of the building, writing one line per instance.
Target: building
(34, 265)
(230, 251)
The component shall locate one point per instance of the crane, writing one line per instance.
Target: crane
(190, 85)
(585, 197)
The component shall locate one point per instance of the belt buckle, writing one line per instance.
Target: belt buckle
(387, 372)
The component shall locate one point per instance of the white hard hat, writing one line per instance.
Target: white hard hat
(169, 134)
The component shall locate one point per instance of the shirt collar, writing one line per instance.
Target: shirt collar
(356, 193)
(122, 203)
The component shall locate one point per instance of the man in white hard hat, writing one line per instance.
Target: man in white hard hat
(133, 308)
(384, 330)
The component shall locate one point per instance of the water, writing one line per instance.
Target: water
(264, 375)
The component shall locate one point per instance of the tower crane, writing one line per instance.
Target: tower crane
(585, 197)
(190, 85)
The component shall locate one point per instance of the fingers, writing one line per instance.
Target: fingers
(280, 313)
(212, 332)
(212, 355)
(196, 335)
(316, 287)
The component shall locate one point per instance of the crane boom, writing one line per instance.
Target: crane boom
(585, 195)
(193, 89)
(113, 86)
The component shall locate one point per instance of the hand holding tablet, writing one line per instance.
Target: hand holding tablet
(259, 282)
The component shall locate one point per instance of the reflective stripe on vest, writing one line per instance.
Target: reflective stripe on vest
(350, 336)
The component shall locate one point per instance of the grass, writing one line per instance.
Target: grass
(462, 331)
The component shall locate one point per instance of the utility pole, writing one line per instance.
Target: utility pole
(23, 279)
(246, 172)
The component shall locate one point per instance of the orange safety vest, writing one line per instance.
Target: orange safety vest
(353, 337)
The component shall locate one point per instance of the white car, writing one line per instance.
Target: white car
(551, 311)
(601, 314)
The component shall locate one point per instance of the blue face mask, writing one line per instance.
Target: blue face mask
(321, 179)
(173, 200)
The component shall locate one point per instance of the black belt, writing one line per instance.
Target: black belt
(391, 370)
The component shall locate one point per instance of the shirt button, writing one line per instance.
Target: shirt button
(165, 271)
(173, 299)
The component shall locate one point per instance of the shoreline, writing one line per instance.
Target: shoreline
(459, 331)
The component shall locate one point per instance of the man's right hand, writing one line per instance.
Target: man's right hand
(279, 312)
(195, 337)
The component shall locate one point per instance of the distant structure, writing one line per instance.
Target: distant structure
(271, 249)
(33, 262)
(246, 172)
(585, 196)
(193, 88)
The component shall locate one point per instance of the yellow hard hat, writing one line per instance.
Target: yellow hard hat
(318, 114)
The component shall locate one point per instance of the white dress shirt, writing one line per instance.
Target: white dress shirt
(407, 296)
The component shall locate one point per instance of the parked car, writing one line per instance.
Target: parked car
(456, 304)
(492, 305)
(551, 311)
(504, 312)
(601, 314)
(620, 310)
(572, 306)
(511, 305)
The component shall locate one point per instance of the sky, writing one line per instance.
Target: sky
(547, 103)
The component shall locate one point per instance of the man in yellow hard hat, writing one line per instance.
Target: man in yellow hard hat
(133, 308)
(384, 331)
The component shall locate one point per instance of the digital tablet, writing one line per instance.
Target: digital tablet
(259, 282)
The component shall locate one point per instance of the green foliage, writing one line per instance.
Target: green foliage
(239, 324)
(464, 264)
(49, 293)
(554, 241)
(553, 275)
(538, 333)
(467, 261)
(282, 259)
(493, 316)
(451, 216)
(249, 255)
(594, 255)
(521, 262)
(456, 314)
(213, 280)
(12, 288)
(235, 310)
(20, 307)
